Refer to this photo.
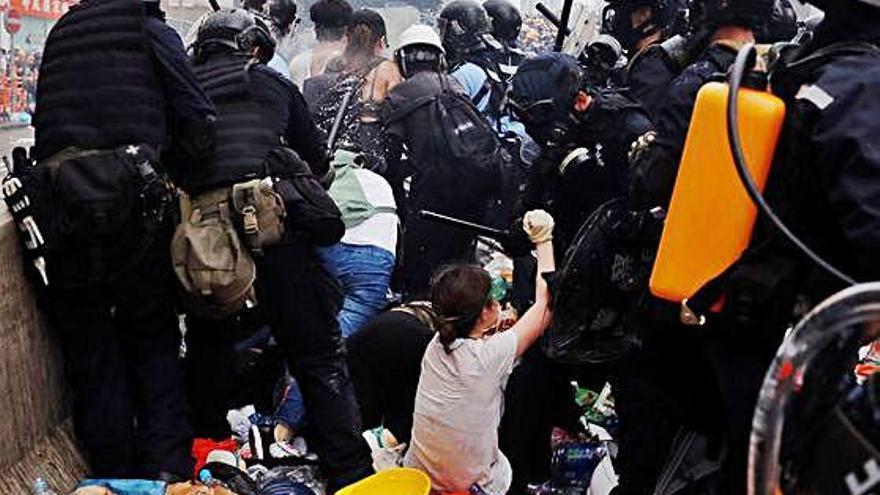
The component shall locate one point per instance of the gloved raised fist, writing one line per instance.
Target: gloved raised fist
(538, 224)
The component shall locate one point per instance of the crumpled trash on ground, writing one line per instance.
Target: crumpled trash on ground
(386, 452)
(92, 490)
(271, 482)
(266, 439)
(285, 486)
(202, 448)
(190, 488)
(120, 487)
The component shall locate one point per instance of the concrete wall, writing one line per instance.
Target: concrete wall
(35, 435)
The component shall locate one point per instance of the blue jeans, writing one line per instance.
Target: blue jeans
(365, 274)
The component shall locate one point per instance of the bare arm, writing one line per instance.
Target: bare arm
(537, 318)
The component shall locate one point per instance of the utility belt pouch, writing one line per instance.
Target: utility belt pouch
(101, 211)
(259, 212)
(214, 268)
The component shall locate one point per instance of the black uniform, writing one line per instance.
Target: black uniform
(655, 171)
(610, 125)
(435, 186)
(538, 396)
(825, 184)
(668, 384)
(114, 76)
(648, 78)
(257, 111)
(385, 360)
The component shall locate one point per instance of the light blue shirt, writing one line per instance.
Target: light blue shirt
(280, 65)
(472, 77)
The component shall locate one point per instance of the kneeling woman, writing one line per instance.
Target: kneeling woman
(465, 369)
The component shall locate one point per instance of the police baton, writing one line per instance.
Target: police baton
(457, 223)
(562, 28)
(550, 16)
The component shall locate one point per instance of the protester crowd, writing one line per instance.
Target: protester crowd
(20, 70)
(450, 260)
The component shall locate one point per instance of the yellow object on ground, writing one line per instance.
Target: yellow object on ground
(399, 481)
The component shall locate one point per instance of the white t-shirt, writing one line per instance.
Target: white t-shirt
(301, 65)
(458, 408)
(300, 68)
(381, 229)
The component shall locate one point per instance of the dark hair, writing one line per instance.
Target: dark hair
(329, 33)
(330, 18)
(365, 30)
(458, 295)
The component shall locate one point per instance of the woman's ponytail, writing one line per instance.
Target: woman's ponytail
(458, 296)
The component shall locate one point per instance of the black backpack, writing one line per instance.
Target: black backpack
(461, 135)
(311, 213)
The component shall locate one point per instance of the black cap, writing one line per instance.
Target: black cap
(371, 19)
(331, 13)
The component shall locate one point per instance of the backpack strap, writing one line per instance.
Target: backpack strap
(407, 108)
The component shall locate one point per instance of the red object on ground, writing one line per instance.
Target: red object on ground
(204, 446)
(13, 21)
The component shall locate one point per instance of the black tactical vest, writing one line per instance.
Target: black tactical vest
(246, 133)
(98, 87)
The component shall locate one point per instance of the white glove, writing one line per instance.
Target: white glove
(538, 224)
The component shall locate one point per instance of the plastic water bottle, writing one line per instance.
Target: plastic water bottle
(42, 488)
(208, 479)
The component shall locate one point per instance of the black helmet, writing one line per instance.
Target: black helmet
(752, 14)
(238, 30)
(816, 428)
(505, 18)
(462, 25)
(668, 16)
(541, 95)
(782, 25)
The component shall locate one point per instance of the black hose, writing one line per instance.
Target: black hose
(550, 16)
(562, 28)
(744, 59)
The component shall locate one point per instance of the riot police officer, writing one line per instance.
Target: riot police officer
(465, 31)
(584, 137)
(114, 86)
(280, 16)
(263, 119)
(506, 25)
(731, 25)
(652, 35)
(824, 183)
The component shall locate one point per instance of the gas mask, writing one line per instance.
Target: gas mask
(552, 125)
(616, 21)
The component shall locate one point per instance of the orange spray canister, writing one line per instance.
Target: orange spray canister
(710, 219)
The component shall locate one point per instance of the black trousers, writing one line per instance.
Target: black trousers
(121, 344)
(739, 359)
(300, 303)
(428, 246)
(539, 397)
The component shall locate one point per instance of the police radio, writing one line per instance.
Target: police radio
(23, 210)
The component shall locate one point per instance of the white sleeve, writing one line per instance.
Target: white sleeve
(499, 353)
